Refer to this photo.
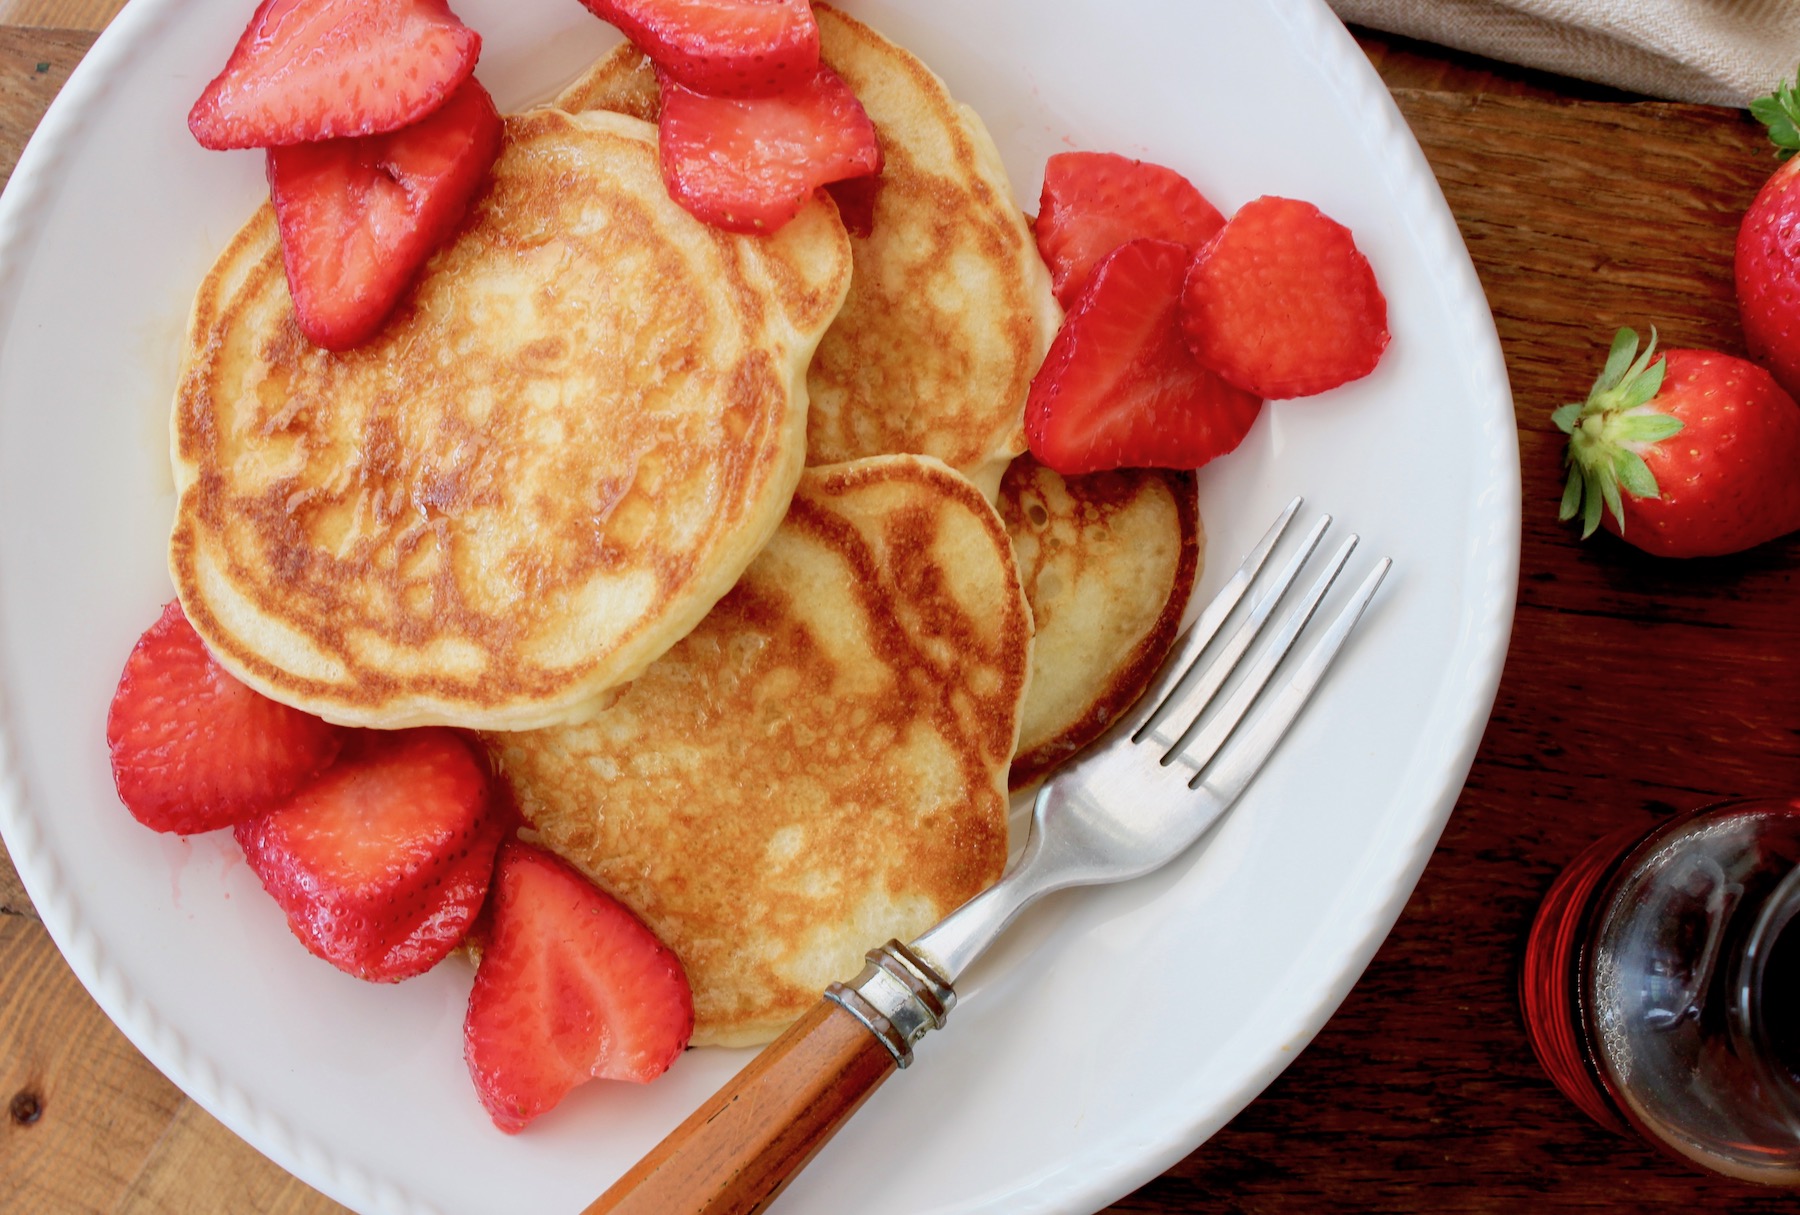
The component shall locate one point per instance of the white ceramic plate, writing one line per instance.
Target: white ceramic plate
(1114, 1030)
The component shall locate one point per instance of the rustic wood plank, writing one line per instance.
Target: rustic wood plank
(1405, 63)
(81, 1108)
(200, 1168)
(90, 15)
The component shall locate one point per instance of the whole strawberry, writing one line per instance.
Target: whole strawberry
(1768, 249)
(1694, 454)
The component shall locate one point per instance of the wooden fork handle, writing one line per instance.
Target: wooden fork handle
(740, 1149)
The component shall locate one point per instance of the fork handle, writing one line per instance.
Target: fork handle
(738, 1151)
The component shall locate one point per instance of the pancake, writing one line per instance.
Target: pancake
(1108, 561)
(820, 766)
(567, 443)
(950, 309)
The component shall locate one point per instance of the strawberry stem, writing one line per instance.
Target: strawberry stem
(1780, 112)
(1610, 432)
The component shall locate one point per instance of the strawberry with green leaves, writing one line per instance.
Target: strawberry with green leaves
(1691, 454)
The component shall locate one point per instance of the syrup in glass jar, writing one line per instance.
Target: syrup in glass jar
(1661, 986)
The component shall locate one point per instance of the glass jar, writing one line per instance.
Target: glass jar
(1661, 986)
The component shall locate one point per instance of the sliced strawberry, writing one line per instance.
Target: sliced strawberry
(571, 987)
(726, 48)
(1119, 388)
(1093, 202)
(855, 198)
(1282, 303)
(359, 217)
(383, 862)
(750, 165)
(195, 750)
(330, 69)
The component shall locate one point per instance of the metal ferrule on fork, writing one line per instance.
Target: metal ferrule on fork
(897, 997)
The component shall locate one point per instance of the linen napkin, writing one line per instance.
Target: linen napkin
(1720, 52)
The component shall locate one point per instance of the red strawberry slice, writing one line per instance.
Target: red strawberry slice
(1119, 388)
(359, 217)
(571, 987)
(1282, 303)
(726, 48)
(382, 863)
(307, 70)
(750, 165)
(195, 750)
(1093, 202)
(856, 198)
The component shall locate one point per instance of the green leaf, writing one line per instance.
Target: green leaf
(1571, 499)
(1590, 502)
(1646, 427)
(1641, 387)
(1642, 361)
(1566, 417)
(1618, 360)
(1634, 474)
(1780, 112)
(1609, 487)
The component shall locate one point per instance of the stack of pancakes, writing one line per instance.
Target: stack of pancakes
(698, 529)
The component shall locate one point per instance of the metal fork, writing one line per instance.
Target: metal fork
(1132, 802)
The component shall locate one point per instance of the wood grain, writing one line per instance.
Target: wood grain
(738, 1151)
(1633, 688)
(88, 15)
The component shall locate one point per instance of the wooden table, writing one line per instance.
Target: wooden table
(1634, 688)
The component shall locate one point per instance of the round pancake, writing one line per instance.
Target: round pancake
(1108, 561)
(569, 440)
(950, 309)
(820, 765)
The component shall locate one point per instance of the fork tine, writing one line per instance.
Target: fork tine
(1176, 667)
(1227, 778)
(1184, 704)
(1195, 747)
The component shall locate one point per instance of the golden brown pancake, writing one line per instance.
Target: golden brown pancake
(1108, 560)
(565, 446)
(950, 310)
(821, 765)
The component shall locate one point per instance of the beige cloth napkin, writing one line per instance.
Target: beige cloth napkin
(1722, 52)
